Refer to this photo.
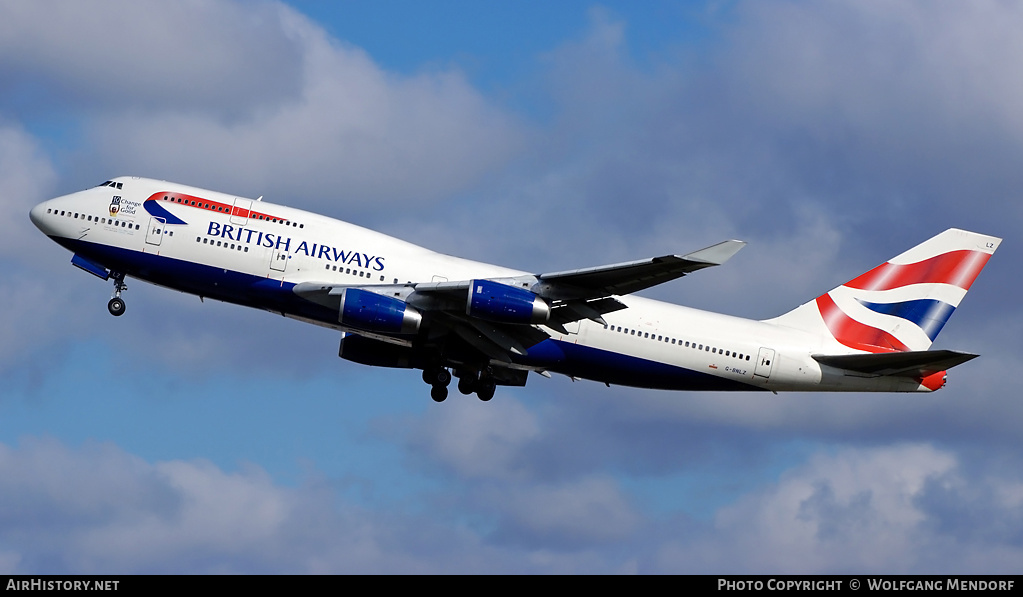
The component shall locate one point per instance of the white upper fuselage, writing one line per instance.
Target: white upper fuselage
(230, 248)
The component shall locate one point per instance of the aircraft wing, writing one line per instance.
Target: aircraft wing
(632, 276)
(570, 296)
(918, 363)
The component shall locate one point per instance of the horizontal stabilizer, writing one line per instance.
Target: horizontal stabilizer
(919, 363)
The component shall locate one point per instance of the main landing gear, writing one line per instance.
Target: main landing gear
(439, 378)
(116, 304)
(468, 382)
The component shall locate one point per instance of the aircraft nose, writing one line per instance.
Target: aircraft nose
(36, 215)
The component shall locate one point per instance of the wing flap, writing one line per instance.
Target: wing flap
(498, 342)
(594, 310)
(919, 363)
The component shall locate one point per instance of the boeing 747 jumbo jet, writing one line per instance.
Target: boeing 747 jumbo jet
(400, 305)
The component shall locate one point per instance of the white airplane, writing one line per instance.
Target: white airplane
(400, 305)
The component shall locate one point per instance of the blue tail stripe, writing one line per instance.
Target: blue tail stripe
(930, 315)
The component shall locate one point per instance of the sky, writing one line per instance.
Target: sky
(199, 437)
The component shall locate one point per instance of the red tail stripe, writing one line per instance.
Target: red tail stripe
(934, 381)
(854, 334)
(958, 268)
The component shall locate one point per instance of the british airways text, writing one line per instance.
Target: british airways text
(266, 239)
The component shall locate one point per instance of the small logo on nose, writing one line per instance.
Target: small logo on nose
(115, 205)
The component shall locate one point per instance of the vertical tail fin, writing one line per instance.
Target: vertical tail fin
(902, 304)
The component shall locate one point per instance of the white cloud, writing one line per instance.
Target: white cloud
(861, 510)
(352, 136)
(476, 439)
(26, 178)
(895, 509)
(113, 55)
(99, 509)
(580, 513)
(857, 508)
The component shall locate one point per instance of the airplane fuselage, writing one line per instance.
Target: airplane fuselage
(254, 253)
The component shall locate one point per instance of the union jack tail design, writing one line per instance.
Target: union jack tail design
(902, 304)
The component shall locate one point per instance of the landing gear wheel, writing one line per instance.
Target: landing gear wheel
(439, 393)
(437, 377)
(485, 390)
(466, 385)
(116, 307)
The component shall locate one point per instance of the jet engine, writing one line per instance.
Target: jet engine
(501, 303)
(367, 351)
(374, 312)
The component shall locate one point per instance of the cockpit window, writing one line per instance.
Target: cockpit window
(110, 183)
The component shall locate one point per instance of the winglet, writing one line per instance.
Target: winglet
(716, 254)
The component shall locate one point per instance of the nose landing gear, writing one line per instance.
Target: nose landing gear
(116, 304)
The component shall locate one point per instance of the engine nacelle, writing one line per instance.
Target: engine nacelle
(374, 312)
(367, 351)
(505, 304)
